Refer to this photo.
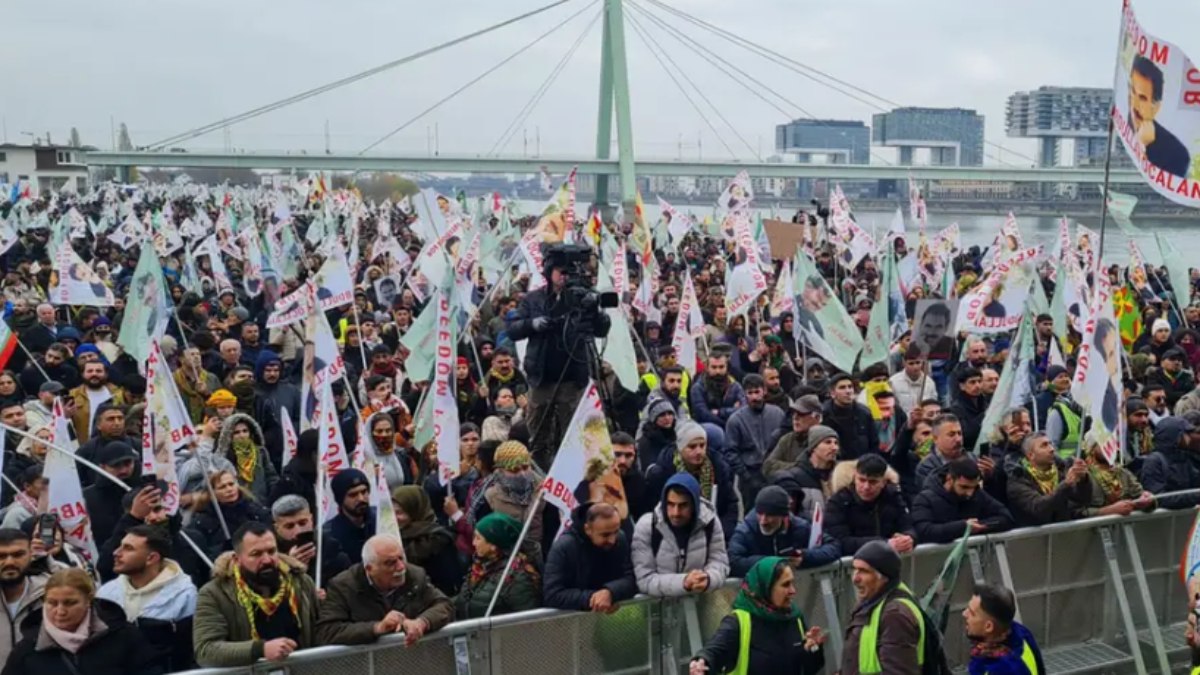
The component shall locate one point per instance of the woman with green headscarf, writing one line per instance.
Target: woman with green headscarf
(495, 536)
(765, 632)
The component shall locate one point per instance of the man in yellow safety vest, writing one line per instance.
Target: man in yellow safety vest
(1000, 645)
(886, 632)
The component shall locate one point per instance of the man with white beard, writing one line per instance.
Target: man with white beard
(383, 594)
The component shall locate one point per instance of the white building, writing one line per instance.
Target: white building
(46, 167)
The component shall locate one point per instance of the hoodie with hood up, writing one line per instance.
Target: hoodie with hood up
(699, 545)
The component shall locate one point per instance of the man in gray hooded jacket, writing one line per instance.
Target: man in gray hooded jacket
(679, 547)
(750, 435)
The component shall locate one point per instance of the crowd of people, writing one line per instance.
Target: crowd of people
(720, 464)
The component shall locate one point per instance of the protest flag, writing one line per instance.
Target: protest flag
(936, 601)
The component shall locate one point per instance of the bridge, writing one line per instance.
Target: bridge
(656, 24)
(599, 167)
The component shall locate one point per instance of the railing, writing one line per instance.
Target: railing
(1101, 595)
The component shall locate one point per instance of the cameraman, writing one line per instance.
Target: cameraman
(557, 358)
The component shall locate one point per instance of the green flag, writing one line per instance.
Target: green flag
(936, 601)
(423, 421)
(1014, 382)
(1177, 270)
(1038, 303)
(878, 342)
(821, 320)
(146, 311)
(419, 341)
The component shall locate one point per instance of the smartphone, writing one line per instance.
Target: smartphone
(149, 481)
(787, 552)
(47, 525)
(305, 538)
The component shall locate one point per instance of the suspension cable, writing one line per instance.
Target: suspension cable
(316, 91)
(724, 65)
(650, 44)
(476, 79)
(807, 71)
(523, 114)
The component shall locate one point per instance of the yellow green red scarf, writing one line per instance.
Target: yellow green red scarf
(250, 601)
(1046, 479)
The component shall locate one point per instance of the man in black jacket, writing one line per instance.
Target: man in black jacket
(103, 498)
(971, 405)
(942, 513)
(872, 508)
(1173, 465)
(556, 361)
(849, 419)
(272, 393)
(589, 568)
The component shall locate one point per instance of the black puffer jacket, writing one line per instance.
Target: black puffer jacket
(940, 516)
(548, 357)
(575, 569)
(854, 522)
(117, 649)
(855, 429)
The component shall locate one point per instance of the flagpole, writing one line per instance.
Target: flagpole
(320, 518)
(533, 512)
(98, 470)
(32, 359)
(362, 351)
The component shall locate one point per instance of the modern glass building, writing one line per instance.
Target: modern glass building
(1051, 114)
(843, 141)
(954, 136)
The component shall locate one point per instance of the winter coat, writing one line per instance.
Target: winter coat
(1030, 507)
(855, 428)
(547, 358)
(1176, 387)
(1131, 489)
(269, 399)
(398, 469)
(522, 591)
(349, 536)
(221, 630)
(1169, 471)
(749, 544)
(661, 573)
(811, 486)
(896, 642)
(31, 603)
(970, 412)
(113, 647)
(82, 419)
(909, 394)
(166, 619)
(205, 527)
(575, 568)
(751, 435)
(265, 475)
(726, 500)
(103, 502)
(776, 647)
(786, 454)
(706, 409)
(1009, 662)
(352, 606)
(653, 441)
(181, 552)
(854, 522)
(940, 517)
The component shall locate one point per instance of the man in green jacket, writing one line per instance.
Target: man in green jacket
(383, 594)
(259, 604)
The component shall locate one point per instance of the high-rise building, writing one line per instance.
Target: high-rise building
(842, 141)
(954, 136)
(1051, 114)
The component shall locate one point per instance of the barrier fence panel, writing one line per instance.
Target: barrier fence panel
(1092, 608)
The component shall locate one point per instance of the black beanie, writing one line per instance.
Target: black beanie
(880, 556)
(345, 481)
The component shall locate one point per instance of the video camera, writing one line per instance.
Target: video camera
(579, 291)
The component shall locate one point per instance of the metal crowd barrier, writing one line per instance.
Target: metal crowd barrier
(1100, 596)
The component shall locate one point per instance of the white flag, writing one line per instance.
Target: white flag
(291, 444)
(65, 498)
(172, 425)
(1097, 386)
(78, 284)
(816, 533)
(586, 448)
(445, 406)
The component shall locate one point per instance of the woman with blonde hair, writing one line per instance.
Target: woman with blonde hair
(78, 634)
(236, 505)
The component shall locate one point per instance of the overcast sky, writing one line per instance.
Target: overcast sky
(164, 66)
